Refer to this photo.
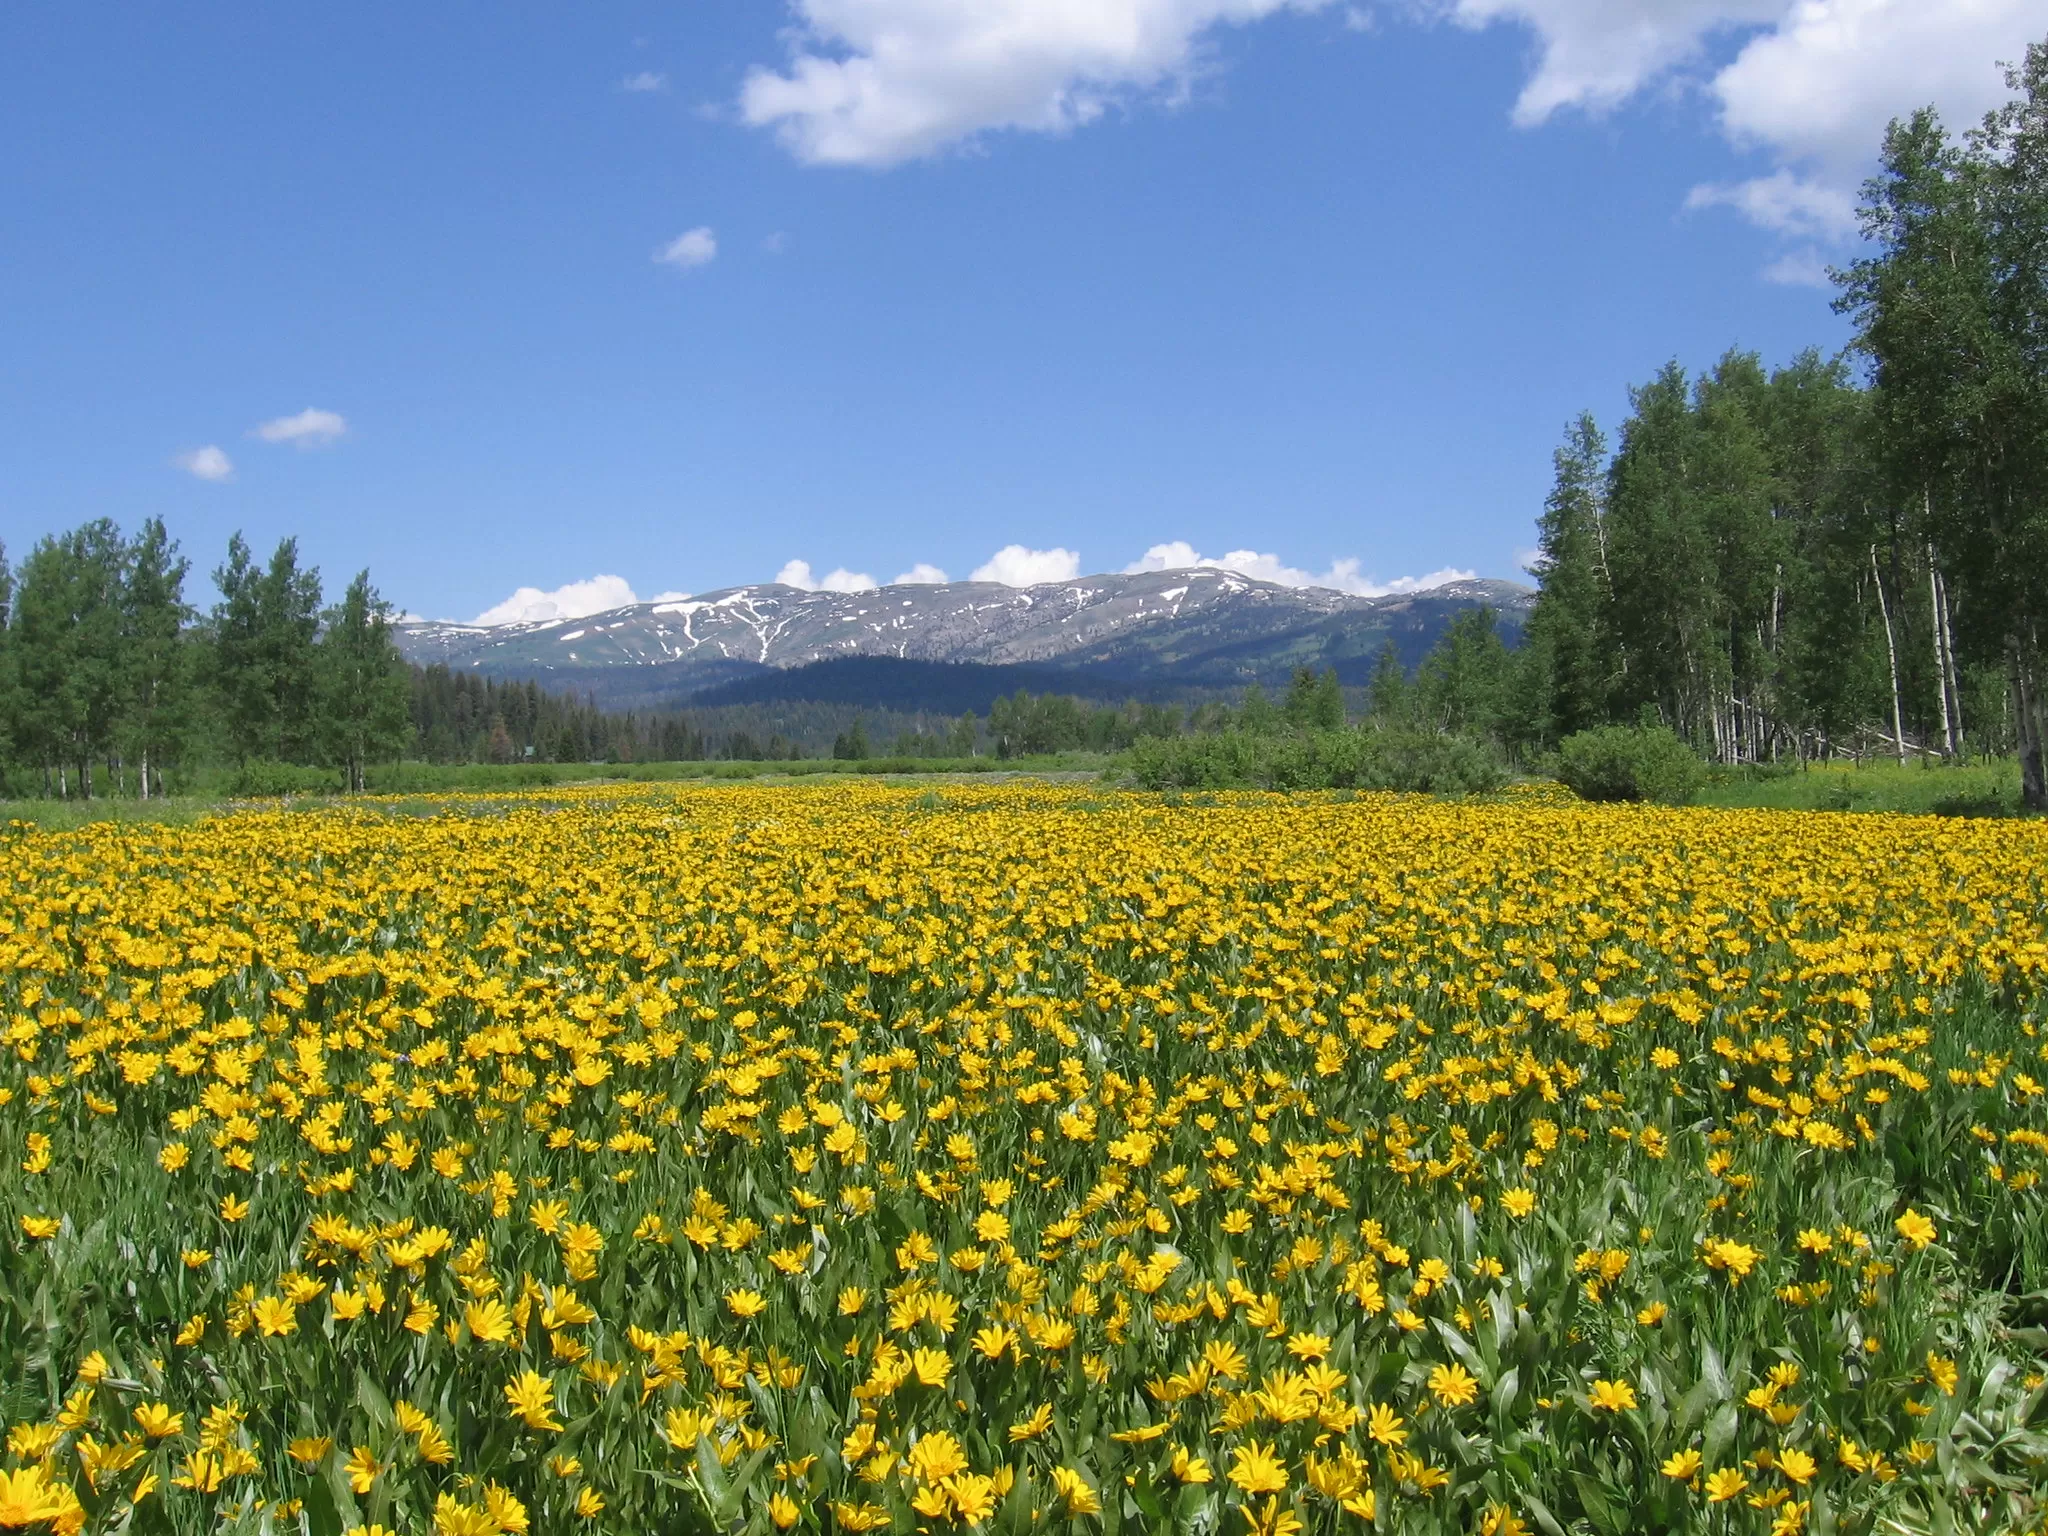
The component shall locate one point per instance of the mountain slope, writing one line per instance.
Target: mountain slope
(1159, 630)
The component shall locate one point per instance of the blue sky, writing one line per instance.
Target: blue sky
(1314, 281)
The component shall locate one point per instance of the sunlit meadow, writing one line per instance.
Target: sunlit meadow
(1019, 1157)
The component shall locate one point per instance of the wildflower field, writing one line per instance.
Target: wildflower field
(1021, 1157)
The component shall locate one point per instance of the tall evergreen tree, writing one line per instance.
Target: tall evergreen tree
(1567, 632)
(365, 688)
(265, 671)
(1389, 690)
(288, 603)
(235, 660)
(156, 662)
(1315, 701)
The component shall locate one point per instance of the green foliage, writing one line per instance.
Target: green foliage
(1026, 724)
(1314, 702)
(1951, 308)
(1630, 762)
(364, 685)
(1370, 757)
(852, 746)
(1923, 789)
(265, 777)
(1389, 688)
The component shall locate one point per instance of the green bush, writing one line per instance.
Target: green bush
(1631, 762)
(263, 777)
(1366, 758)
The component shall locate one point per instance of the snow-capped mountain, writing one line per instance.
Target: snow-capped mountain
(1207, 626)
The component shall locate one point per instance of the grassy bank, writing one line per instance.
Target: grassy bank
(211, 791)
(1974, 789)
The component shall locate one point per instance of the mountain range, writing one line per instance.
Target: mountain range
(1154, 634)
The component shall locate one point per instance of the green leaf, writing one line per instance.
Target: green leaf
(1599, 1507)
(1504, 1391)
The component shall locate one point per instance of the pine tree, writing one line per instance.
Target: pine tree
(157, 704)
(1298, 708)
(235, 659)
(365, 688)
(1389, 691)
(288, 605)
(1568, 631)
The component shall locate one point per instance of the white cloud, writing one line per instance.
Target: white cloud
(646, 80)
(309, 429)
(1811, 86)
(876, 82)
(797, 573)
(1342, 576)
(921, 575)
(670, 597)
(207, 463)
(1822, 84)
(530, 605)
(1785, 202)
(1595, 54)
(1801, 268)
(692, 249)
(1015, 566)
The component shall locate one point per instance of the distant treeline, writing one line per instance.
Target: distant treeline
(109, 680)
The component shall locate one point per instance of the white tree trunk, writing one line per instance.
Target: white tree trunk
(1892, 651)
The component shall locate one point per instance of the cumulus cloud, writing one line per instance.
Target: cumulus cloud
(1801, 268)
(921, 575)
(1785, 202)
(876, 82)
(1015, 566)
(797, 573)
(579, 599)
(207, 463)
(1595, 54)
(646, 80)
(692, 249)
(1342, 576)
(309, 429)
(1811, 86)
(1821, 85)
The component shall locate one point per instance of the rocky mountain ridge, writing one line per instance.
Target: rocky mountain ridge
(1199, 627)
